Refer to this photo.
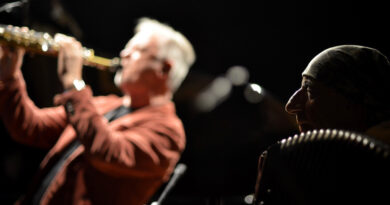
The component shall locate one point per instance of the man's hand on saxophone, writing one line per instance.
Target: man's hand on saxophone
(70, 60)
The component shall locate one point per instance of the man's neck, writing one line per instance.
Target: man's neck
(137, 102)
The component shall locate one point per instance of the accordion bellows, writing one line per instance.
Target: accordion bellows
(324, 167)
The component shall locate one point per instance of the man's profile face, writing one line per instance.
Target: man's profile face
(317, 106)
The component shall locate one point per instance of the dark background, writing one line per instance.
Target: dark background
(274, 40)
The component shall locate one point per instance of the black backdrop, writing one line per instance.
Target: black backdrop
(274, 40)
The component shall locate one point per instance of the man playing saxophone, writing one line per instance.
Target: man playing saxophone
(103, 149)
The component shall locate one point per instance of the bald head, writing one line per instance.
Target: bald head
(360, 73)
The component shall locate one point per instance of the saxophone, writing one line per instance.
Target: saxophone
(43, 43)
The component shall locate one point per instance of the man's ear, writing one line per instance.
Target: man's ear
(167, 65)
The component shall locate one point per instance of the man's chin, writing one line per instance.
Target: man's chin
(305, 127)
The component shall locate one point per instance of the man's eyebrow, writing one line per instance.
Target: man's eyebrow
(306, 82)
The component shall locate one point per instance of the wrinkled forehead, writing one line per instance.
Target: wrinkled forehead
(318, 65)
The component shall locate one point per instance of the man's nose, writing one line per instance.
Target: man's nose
(296, 102)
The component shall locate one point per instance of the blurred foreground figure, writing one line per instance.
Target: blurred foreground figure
(345, 87)
(106, 149)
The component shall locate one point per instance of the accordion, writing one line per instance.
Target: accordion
(324, 167)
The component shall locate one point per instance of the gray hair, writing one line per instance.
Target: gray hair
(174, 46)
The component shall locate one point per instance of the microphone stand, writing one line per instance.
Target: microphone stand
(177, 173)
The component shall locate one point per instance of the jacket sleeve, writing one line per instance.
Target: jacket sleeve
(145, 146)
(25, 122)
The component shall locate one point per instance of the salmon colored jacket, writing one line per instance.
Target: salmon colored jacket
(121, 162)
